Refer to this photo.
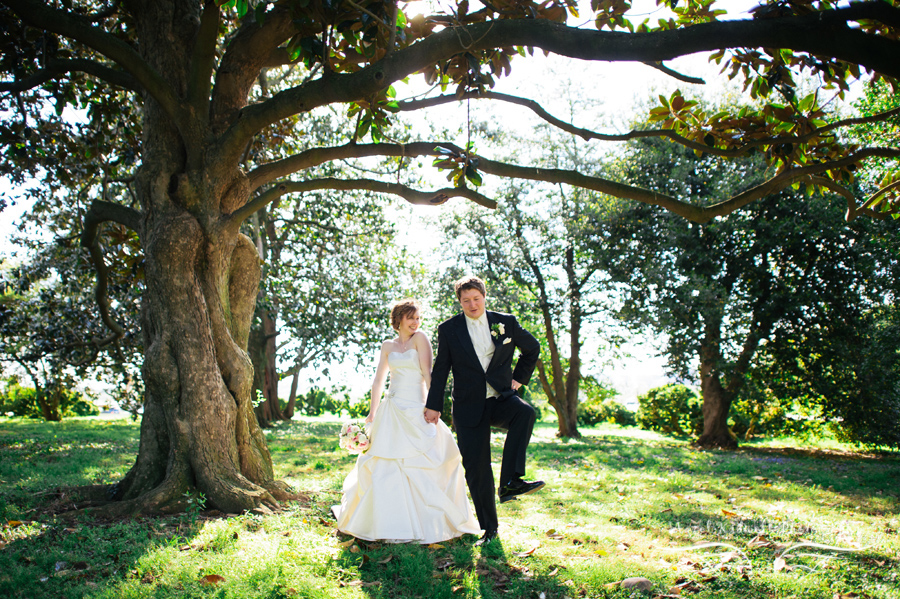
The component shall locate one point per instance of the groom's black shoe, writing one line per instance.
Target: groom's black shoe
(489, 535)
(518, 487)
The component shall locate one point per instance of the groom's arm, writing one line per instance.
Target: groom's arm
(439, 374)
(530, 351)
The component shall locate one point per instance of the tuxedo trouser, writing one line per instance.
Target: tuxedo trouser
(517, 418)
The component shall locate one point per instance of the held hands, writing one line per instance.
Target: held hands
(432, 416)
(515, 385)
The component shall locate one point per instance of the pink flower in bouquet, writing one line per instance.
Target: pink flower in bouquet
(353, 438)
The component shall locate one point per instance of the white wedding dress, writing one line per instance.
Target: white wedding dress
(409, 486)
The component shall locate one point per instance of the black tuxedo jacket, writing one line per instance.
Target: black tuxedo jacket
(457, 354)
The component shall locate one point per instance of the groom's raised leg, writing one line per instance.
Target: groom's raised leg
(475, 447)
(518, 418)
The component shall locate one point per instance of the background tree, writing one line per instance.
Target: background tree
(849, 371)
(787, 265)
(49, 326)
(187, 71)
(332, 273)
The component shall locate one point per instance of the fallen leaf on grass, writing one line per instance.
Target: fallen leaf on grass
(385, 560)
(14, 523)
(553, 572)
(779, 564)
(456, 588)
(354, 549)
(759, 541)
(435, 546)
(728, 514)
(347, 543)
(527, 553)
(552, 534)
(601, 552)
(685, 586)
(212, 579)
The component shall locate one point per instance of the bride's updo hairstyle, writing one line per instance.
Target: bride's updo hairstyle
(401, 310)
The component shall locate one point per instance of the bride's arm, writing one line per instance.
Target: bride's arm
(378, 384)
(426, 357)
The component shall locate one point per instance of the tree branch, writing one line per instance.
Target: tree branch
(671, 134)
(99, 213)
(699, 214)
(253, 48)
(821, 33)
(853, 207)
(413, 196)
(674, 74)
(58, 67)
(40, 16)
(203, 60)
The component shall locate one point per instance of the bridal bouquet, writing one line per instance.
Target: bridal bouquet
(354, 438)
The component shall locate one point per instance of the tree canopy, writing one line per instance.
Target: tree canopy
(146, 115)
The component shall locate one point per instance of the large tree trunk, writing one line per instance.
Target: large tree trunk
(716, 400)
(199, 429)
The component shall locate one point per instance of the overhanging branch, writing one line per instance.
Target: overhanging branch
(671, 134)
(57, 67)
(699, 214)
(413, 196)
(40, 16)
(820, 33)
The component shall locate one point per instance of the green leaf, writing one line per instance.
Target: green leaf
(473, 176)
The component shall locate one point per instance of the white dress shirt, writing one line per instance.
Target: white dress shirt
(480, 334)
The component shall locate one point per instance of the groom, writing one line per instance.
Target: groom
(478, 346)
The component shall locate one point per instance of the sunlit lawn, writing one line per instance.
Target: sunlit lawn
(619, 503)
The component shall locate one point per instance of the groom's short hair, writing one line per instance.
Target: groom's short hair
(469, 282)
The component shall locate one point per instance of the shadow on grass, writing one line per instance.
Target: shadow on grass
(443, 570)
(82, 556)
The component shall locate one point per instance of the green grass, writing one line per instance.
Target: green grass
(619, 503)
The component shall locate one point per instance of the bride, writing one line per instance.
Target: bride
(409, 486)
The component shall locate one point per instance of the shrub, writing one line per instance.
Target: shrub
(316, 402)
(23, 401)
(595, 412)
(672, 409)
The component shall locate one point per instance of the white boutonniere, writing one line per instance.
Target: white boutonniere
(498, 330)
